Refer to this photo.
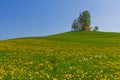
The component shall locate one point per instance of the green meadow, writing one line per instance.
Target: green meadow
(85, 55)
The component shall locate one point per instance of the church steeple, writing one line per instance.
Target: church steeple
(80, 15)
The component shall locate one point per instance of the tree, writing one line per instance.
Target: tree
(86, 20)
(96, 28)
(75, 25)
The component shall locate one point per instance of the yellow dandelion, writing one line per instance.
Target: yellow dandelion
(0, 77)
(55, 79)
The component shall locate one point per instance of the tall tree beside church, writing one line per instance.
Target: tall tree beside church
(86, 20)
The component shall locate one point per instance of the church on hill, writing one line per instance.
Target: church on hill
(82, 23)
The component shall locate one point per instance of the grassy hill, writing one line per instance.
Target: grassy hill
(65, 56)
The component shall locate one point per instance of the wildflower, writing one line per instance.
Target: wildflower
(55, 79)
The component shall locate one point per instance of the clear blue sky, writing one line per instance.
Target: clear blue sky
(22, 18)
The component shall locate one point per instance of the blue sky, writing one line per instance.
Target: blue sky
(23, 18)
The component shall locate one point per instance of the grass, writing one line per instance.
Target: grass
(65, 56)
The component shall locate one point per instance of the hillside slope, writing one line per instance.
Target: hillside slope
(90, 38)
(68, 56)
